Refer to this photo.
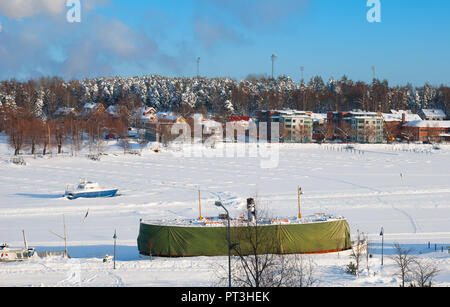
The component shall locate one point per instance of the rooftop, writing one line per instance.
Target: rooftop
(434, 113)
(429, 123)
(397, 116)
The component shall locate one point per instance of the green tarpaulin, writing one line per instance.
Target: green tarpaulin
(175, 241)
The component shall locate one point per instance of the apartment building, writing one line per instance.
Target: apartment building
(295, 126)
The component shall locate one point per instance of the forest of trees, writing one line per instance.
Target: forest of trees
(27, 132)
(44, 96)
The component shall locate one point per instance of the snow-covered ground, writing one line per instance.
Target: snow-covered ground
(403, 188)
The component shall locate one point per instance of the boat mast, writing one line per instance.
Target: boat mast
(25, 239)
(200, 205)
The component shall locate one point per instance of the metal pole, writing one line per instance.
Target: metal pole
(115, 238)
(382, 245)
(198, 67)
(229, 251)
(219, 204)
(273, 64)
(302, 69)
(65, 236)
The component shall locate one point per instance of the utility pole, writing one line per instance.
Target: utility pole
(273, 57)
(198, 67)
(302, 69)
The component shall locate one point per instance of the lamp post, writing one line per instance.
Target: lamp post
(219, 204)
(115, 238)
(382, 244)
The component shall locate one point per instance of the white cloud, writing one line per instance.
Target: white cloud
(30, 8)
(210, 33)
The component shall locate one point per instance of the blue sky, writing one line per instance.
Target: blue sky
(233, 38)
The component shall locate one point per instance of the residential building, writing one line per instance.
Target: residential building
(320, 121)
(65, 111)
(394, 123)
(357, 126)
(433, 114)
(93, 108)
(428, 130)
(295, 126)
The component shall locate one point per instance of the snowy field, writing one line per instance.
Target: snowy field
(403, 188)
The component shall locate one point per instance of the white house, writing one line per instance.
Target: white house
(433, 114)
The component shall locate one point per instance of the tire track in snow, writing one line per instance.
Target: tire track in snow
(377, 196)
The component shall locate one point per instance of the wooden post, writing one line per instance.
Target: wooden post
(299, 208)
(200, 205)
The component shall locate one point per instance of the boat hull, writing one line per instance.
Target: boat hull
(15, 255)
(92, 194)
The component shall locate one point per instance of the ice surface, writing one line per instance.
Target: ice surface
(403, 188)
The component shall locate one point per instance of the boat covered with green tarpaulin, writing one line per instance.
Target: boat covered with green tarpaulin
(209, 238)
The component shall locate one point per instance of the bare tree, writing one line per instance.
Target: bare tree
(345, 132)
(326, 130)
(366, 239)
(15, 129)
(300, 272)
(59, 133)
(259, 262)
(370, 134)
(409, 135)
(45, 138)
(403, 259)
(423, 273)
(357, 255)
(32, 131)
(257, 259)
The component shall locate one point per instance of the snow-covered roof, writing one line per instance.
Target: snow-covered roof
(318, 117)
(210, 124)
(362, 113)
(397, 116)
(90, 105)
(112, 110)
(434, 113)
(288, 112)
(64, 111)
(167, 116)
(366, 117)
(146, 113)
(429, 123)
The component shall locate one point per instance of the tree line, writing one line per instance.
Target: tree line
(43, 97)
(27, 132)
